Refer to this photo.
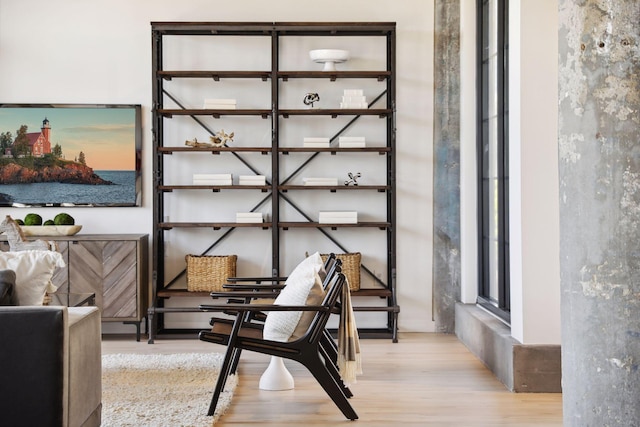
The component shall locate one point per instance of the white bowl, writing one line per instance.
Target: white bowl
(50, 230)
(329, 57)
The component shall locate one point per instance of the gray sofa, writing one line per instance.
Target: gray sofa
(50, 366)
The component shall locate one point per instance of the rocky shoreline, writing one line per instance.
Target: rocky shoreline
(70, 173)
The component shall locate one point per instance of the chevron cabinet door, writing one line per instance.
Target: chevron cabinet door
(114, 267)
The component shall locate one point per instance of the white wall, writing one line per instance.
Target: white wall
(73, 51)
(534, 201)
(534, 204)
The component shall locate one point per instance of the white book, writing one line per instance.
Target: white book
(249, 215)
(317, 145)
(337, 220)
(361, 144)
(320, 181)
(317, 178)
(315, 139)
(339, 214)
(351, 138)
(212, 176)
(219, 107)
(354, 99)
(212, 182)
(252, 180)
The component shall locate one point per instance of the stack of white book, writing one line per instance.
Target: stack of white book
(338, 217)
(252, 180)
(311, 142)
(219, 104)
(212, 179)
(249, 217)
(354, 98)
(320, 181)
(351, 142)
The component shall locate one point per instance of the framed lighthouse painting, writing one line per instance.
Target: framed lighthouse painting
(70, 155)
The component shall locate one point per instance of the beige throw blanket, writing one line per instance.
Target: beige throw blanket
(349, 358)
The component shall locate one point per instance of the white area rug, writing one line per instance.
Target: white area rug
(161, 389)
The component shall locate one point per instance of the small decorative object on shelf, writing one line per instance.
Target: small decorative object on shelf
(221, 139)
(353, 178)
(329, 57)
(354, 98)
(196, 144)
(310, 98)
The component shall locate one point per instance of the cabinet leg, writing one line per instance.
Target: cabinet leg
(152, 326)
(137, 324)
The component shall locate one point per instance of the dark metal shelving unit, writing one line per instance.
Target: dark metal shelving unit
(278, 192)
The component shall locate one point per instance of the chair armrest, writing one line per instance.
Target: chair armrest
(256, 279)
(261, 307)
(243, 294)
(258, 286)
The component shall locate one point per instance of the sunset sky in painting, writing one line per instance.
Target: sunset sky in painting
(106, 136)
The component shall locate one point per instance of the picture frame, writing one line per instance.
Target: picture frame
(70, 155)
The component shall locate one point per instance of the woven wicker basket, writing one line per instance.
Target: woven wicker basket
(350, 268)
(207, 273)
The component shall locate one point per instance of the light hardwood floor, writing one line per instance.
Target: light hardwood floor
(423, 380)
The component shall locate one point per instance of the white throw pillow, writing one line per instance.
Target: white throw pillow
(279, 325)
(34, 270)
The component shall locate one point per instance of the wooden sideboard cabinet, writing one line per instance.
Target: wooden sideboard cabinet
(113, 266)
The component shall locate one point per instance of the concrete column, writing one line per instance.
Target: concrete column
(599, 174)
(446, 174)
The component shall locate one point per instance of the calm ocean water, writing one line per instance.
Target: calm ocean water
(123, 192)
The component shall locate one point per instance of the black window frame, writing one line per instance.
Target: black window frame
(499, 306)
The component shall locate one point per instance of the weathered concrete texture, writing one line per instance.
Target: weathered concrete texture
(446, 179)
(488, 339)
(599, 157)
(537, 369)
(521, 368)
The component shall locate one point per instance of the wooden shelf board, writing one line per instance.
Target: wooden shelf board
(169, 188)
(381, 188)
(334, 75)
(215, 75)
(333, 150)
(215, 225)
(169, 112)
(382, 112)
(213, 150)
(381, 225)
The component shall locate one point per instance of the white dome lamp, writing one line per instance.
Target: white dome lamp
(329, 57)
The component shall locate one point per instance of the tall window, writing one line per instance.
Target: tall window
(493, 150)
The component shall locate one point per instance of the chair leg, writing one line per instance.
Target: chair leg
(225, 369)
(236, 360)
(333, 370)
(320, 372)
(222, 379)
